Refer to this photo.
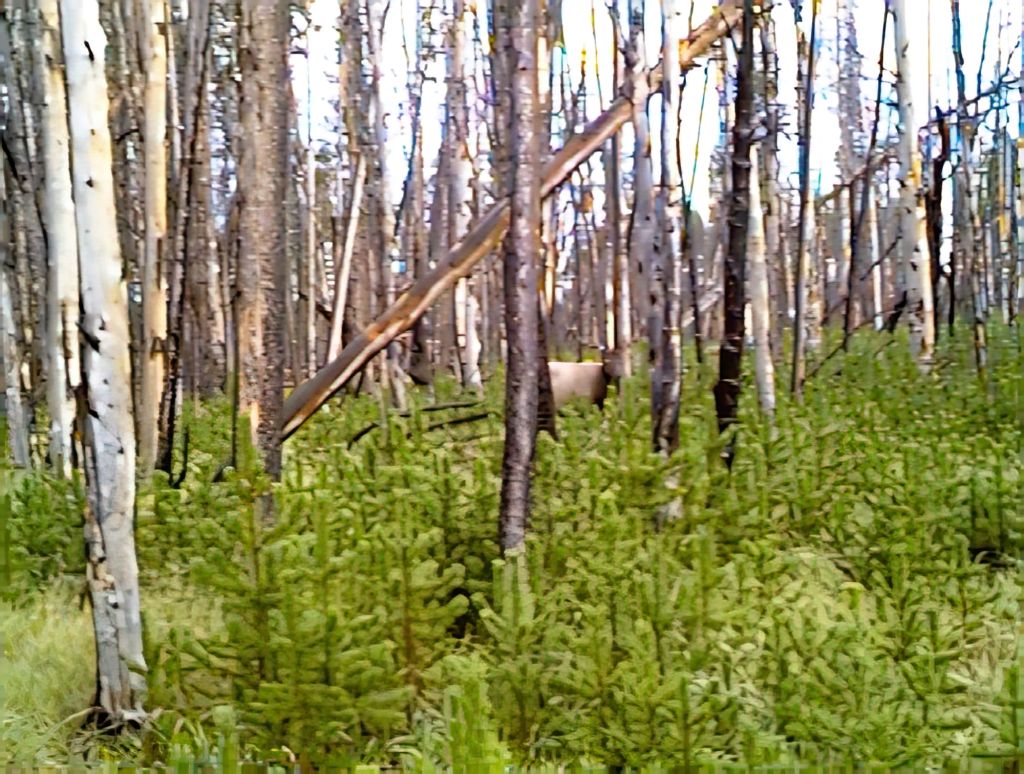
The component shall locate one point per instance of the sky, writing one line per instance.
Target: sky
(930, 51)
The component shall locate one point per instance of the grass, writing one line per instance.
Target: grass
(46, 676)
(850, 591)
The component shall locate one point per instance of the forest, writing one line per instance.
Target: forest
(512, 385)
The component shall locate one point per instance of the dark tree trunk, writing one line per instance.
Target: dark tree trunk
(727, 390)
(933, 208)
(262, 177)
(522, 253)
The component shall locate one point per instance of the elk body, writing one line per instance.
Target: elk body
(578, 380)
(583, 380)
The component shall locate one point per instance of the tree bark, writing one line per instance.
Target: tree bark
(642, 226)
(666, 277)
(805, 227)
(344, 270)
(522, 256)
(262, 177)
(459, 194)
(62, 303)
(105, 415)
(969, 201)
(10, 356)
(727, 390)
(913, 233)
(619, 261)
(760, 311)
(154, 279)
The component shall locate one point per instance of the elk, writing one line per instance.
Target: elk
(584, 380)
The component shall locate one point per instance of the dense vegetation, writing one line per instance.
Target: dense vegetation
(849, 591)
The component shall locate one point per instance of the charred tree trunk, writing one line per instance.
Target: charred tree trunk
(727, 390)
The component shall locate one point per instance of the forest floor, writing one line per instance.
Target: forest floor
(849, 592)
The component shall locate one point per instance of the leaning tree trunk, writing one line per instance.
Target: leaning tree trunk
(343, 271)
(481, 239)
(105, 416)
(262, 178)
(522, 255)
(727, 390)
(154, 279)
(913, 233)
(62, 306)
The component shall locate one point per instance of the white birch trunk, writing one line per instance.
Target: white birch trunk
(459, 197)
(760, 314)
(641, 238)
(913, 233)
(154, 279)
(108, 431)
(64, 369)
(874, 256)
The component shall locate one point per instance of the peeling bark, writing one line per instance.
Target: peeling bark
(105, 415)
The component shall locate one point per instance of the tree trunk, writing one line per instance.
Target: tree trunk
(727, 390)
(642, 226)
(154, 280)
(522, 256)
(105, 415)
(262, 176)
(312, 252)
(10, 356)
(805, 226)
(26, 268)
(459, 194)
(619, 262)
(874, 253)
(206, 300)
(760, 306)
(392, 370)
(969, 201)
(666, 277)
(913, 233)
(771, 204)
(62, 304)
(344, 269)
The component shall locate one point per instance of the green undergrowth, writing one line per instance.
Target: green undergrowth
(848, 591)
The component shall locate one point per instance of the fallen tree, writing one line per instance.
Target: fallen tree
(484, 237)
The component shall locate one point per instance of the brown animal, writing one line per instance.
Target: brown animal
(583, 380)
